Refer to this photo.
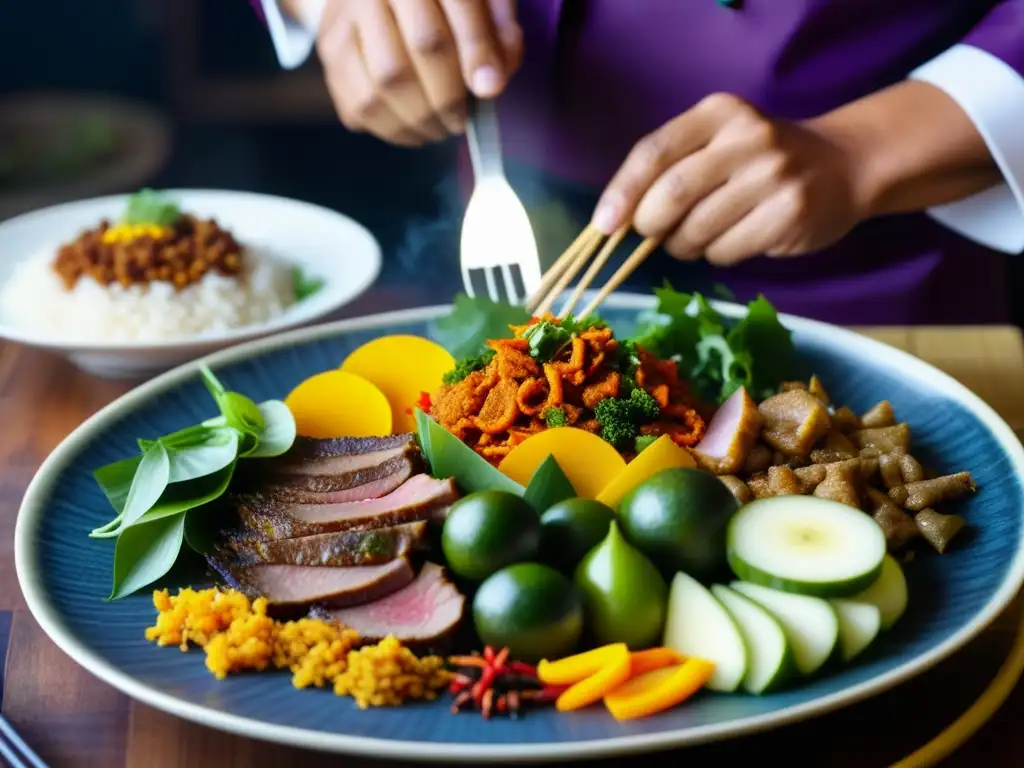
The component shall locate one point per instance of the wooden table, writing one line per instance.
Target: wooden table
(73, 719)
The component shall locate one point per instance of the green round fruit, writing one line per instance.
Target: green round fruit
(572, 528)
(625, 596)
(531, 608)
(679, 518)
(486, 531)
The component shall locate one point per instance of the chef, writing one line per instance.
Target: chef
(857, 161)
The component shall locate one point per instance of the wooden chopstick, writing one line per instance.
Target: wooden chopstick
(645, 249)
(577, 263)
(588, 237)
(588, 277)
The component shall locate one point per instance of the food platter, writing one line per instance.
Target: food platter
(65, 579)
(339, 253)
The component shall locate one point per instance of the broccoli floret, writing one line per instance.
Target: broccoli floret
(618, 420)
(466, 366)
(555, 417)
(621, 417)
(644, 441)
(646, 404)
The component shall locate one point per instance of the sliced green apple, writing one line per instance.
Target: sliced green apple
(859, 625)
(770, 658)
(888, 593)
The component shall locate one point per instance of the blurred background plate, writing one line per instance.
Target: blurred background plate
(65, 577)
(322, 243)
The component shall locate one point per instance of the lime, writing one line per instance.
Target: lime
(679, 518)
(531, 608)
(486, 531)
(572, 528)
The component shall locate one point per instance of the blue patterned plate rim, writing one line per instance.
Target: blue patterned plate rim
(49, 619)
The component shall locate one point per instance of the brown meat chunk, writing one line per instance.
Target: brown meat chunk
(927, 493)
(899, 527)
(937, 529)
(782, 481)
(779, 459)
(737, 488)
(758, 460)
(845, 420)
(889, 466)
(758, 485)
(811, 477)
(500, 410)
(793, 422)
(911, 469)
(879, 415)
(885, 439)
(817, 389)
(842, 483)
(792, 386)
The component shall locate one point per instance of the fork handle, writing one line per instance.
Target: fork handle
(484, 138)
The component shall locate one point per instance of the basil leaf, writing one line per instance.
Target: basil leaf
(304, 285)
(181, 497)
(146, 552)
(279, 431)
(151, 478)
(450, 457)
(473, 321)
(548, 486)
(243, 414)
(148, 206)
(115, 480)
(218, 450)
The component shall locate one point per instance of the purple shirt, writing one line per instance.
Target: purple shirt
(599, 74)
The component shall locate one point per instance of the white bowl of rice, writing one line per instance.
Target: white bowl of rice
(297, 262)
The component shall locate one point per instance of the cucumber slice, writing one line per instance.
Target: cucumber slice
(859, 624)
(810, 624)
(888, 593)
(769, 654)
(698, 625)
(806, 545)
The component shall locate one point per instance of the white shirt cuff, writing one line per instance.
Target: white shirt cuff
(991, 92)
(293, 41)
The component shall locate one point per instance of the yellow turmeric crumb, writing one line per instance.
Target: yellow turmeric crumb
(238, 635)
(125, 233)
(388, 674)
(195, 617)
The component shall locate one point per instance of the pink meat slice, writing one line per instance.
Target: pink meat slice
(425, 611)
(730, 435)
(416, 492)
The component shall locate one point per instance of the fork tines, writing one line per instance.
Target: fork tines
(576, 256)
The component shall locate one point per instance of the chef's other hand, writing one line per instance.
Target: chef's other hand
(725, 182)
(400, 69)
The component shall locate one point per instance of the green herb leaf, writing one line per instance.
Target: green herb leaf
(150, 207)
(279, 431)
(423, 422)
(150, 481)
(115, 480)
(181, 497)
(643, 442)
(473, 321)
(548, 486)
(304, 285)
(450, 457)
(546, 339)
(200, 459)
(768, 345)
(145, 552)
(238, 410)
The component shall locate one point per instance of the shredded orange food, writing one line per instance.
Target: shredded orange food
(494, 409)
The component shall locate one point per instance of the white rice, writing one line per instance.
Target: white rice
(35, 298)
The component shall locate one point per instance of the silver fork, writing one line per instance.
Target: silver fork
(498, 245)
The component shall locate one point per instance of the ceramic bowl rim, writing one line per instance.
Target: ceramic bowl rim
(49, 619)
(334, 295)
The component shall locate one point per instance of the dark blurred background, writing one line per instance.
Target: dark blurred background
(199, 101)
(216, 111)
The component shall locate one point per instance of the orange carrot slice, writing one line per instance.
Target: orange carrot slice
(573, 669)
(658, 690)
(642, 662)
(339, 404)
(613, 674)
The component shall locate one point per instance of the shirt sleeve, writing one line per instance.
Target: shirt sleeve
(985, 75)
(293, 40)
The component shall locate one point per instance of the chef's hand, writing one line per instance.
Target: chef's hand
(400, 69)
(725, 182)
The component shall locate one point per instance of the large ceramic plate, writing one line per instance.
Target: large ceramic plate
(65, 576)
(321, 242)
